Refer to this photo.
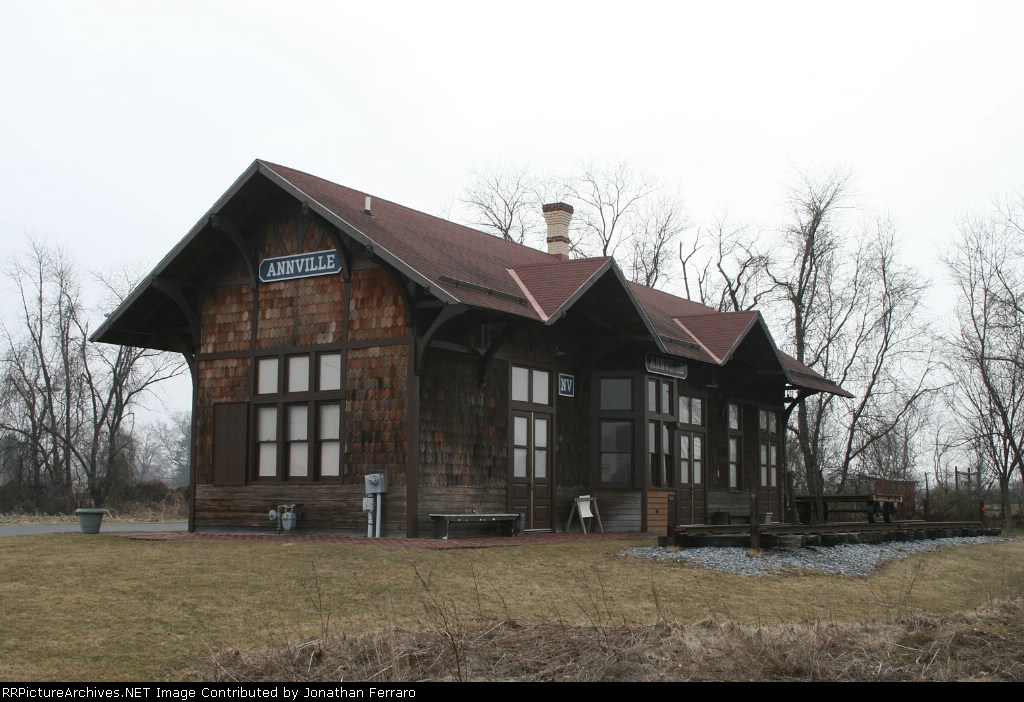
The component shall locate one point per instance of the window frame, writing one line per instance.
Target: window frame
(734, 447)
(660, 424)
(626, 414)
(284, 401)
(769, 430)
(693, 434)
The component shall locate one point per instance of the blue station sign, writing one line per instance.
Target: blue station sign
(304, 265)
(566, 385)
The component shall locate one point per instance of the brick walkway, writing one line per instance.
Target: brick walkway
(429, 543)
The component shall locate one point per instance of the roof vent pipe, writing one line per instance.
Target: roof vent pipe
(366, 207)
(558, 215)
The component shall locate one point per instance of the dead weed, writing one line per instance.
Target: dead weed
(984, 644)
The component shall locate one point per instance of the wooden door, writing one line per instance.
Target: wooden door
(531, 463)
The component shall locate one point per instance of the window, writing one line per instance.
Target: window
(734, 417)
(330, 371)
(298, 417)
(298, 373)
(660, 425)
(735, 448)
(659, 449)
(616, 393)
(768, 426)
(769, 464)
(523, 443)
(734, 462)
(615, 424)
(298, 446)
(659, 396)
(531, 385)
(691, 458)
(329, 432)
(266, 438)
(768, 421)
(691, 410)
(266, 376)
(617, 452)
(691, 440)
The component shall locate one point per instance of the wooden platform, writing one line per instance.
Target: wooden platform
(832, 534)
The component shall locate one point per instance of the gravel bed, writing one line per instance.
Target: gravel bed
(855, 560)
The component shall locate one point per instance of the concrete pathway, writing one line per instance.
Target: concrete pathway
(105, 528)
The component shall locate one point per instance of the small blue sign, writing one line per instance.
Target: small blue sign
(300, 266)
(566, 385)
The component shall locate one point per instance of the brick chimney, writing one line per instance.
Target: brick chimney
(558, 215)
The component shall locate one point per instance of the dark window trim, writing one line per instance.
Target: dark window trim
(312, 398)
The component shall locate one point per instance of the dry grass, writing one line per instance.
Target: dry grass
(170, 511)
(980, 646)
(102, 607)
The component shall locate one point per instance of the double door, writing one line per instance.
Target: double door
(531, 468)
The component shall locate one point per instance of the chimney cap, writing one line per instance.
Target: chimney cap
(557, 207)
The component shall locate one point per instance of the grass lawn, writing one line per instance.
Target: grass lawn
(105, 608)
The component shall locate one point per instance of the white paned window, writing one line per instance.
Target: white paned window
(330, 371)
(298, 373)
(266, 376)
(299, 431)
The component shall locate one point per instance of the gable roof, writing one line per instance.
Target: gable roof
(457, 265)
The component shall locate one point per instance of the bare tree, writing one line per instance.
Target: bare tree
(175, 437)
(723, 267)
(68, 400)
(987, 344)
(652, 242)
(610, 199)
(853, 312)
(42, 388)
(503, 200)
(619, 212)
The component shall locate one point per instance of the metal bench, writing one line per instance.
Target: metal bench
(509, 521)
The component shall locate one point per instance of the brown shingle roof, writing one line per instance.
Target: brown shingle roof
(462, 265)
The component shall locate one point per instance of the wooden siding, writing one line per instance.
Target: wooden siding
(377, 309)
(376, 400)
(226, 320)
(220, 381)
(307, 313)
(620, 509)
(324, 507)
(657, 511)
(576, 464)
(463, 424)
(301, 312)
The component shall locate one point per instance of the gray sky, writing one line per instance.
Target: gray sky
(123, 122)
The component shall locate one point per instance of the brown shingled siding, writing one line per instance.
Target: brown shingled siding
(463, 425)
(221, 380)
(226, 319)
(377, 310)
(375, 413)
(301, 312)
(308, 312)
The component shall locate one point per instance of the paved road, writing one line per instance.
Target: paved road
(106, 527)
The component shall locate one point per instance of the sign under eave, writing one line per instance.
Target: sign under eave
(663, 365)
(305, 265)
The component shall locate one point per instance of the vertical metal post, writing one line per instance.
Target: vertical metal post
(755, 528)
(378, 517)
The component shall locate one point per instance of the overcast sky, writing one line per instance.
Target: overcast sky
(122, 122)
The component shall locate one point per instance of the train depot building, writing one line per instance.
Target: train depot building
(333, 335)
